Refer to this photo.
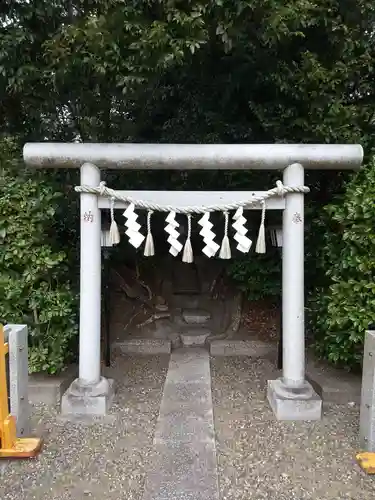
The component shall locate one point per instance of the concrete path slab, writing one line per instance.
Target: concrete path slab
(184, 464)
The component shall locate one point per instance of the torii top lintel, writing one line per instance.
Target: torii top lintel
(129, 156)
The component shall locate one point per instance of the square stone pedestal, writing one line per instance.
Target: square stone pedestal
(294, 404)
(88, 400)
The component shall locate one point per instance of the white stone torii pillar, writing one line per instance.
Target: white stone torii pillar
(90, 279)
(90, 393)
(291, 396)
(293, 280)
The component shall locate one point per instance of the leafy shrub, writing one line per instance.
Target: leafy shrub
(34, 285)
(257, 276)
(343, 307)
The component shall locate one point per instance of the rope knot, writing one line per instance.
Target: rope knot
(280, 188)
(102, 188)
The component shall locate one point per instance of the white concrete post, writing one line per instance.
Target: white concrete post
(367, 414)
(293, 280)
(90, 280)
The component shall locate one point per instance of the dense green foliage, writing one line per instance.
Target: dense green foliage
(258, 71)
(344, 306)
(218, 70)
(260, 276)
(34, 288)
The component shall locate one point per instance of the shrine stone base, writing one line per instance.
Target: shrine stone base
(294, 404)
(88, 400)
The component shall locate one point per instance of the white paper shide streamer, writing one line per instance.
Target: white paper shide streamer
(211, 247)
(135, 237)
(243, 242)
(171, 229)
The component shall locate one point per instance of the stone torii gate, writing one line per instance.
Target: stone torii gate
(291, 397)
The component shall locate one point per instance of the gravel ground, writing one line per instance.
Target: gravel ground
(260, 458)
(106, 460)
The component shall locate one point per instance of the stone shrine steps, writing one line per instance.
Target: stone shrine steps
(195, 337)
(195, 332)
(196, 316)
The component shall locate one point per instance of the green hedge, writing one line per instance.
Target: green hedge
(342, 307)
(34, 285)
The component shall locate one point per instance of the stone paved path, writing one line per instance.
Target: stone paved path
(257, 457)
(184, 463)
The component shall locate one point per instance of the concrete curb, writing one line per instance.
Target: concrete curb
(251, 348)
(335, 389)
(333, 385)
(48, 389)
(143, 346)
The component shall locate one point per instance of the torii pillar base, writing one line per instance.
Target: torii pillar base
(299, 403)
(88, 400)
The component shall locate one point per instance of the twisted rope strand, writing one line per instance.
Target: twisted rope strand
(263, 216)
(149, 215)
(279, 190)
